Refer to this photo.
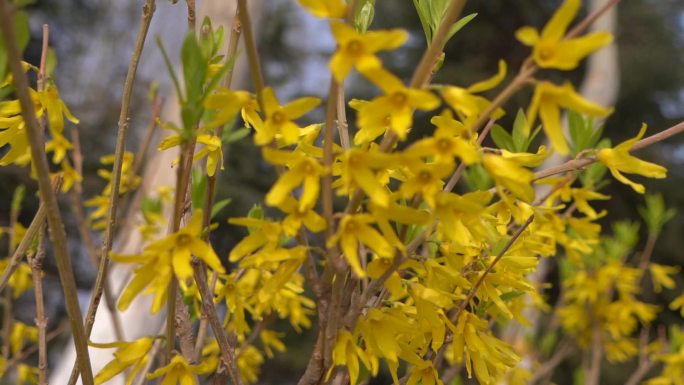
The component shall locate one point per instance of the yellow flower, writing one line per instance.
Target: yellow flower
(59, 145)
(21, 333)
(660, 275)
(358, 50)
(469, 107)
(346, 353)
(56, 109)
(356, 170)
(278, 121)
(619, 160)
(547, 101)
(396, 106)
(154, 273)
(510, 175)
(69, 176)
(354, 229)
(303, 169)
(298, 216)
(178, 371)
(325, 8)
(263, 234)
(20, 281)
(183, 244)
(227, 104)
(551, 50)
(212, 150)
(26, 375)
(165, 257)
(424, 374)
(128, 354)
(446, 143)
(425, 179)
(678, 303)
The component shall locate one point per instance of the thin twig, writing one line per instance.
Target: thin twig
(82, 224)
(36, 263)
(191, 15)
(252, 53)
(120, 148)
(563, 351)
(209, 308)
(34, 133)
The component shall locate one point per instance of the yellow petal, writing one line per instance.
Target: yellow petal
(490, 83)
(527, 35)
(556, 27)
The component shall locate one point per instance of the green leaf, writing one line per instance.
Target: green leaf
(477, 178)
(462, 22)
(172, 71)
(501, 138)
(22, 36)
(364, 14)
(151, 205)
(194, 69)
(198, 188)
(518, 137)
(18, 198)
(234, 136)
(218, 206)
(655, 214)
(423, 15)
(576, 130)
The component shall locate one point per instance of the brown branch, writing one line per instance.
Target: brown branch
(120, 148)
(191, 15)
(34, 133)
(252, 53)
(562, 352)
(75, 195)
(36, 263)
(645, 364)
(209, 308)
(593, 370)
(43, 58)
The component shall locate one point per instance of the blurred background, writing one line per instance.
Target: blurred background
(93, 40)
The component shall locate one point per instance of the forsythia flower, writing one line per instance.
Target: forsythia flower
(551, 50)
(279, 118)
(354, 229)
(303, 169)
(446, 143)
(619, 160)
(469, 106)
(547, 101)
(355, 168)
(358, 50)
(396, 106)
(164, 257)
(347, 354)
(325, 8)
(178, 371)
(127, 354)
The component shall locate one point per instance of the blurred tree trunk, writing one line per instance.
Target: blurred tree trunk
(137, 320)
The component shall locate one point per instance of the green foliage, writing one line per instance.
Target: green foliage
(517, 140)
(655, 214)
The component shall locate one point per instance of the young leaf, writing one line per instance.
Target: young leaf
(501, 138)
(518, 137)
(424, 16)
(364, 14)
(235, 135)
(198, 188)
(462, 22)
(218, 206)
